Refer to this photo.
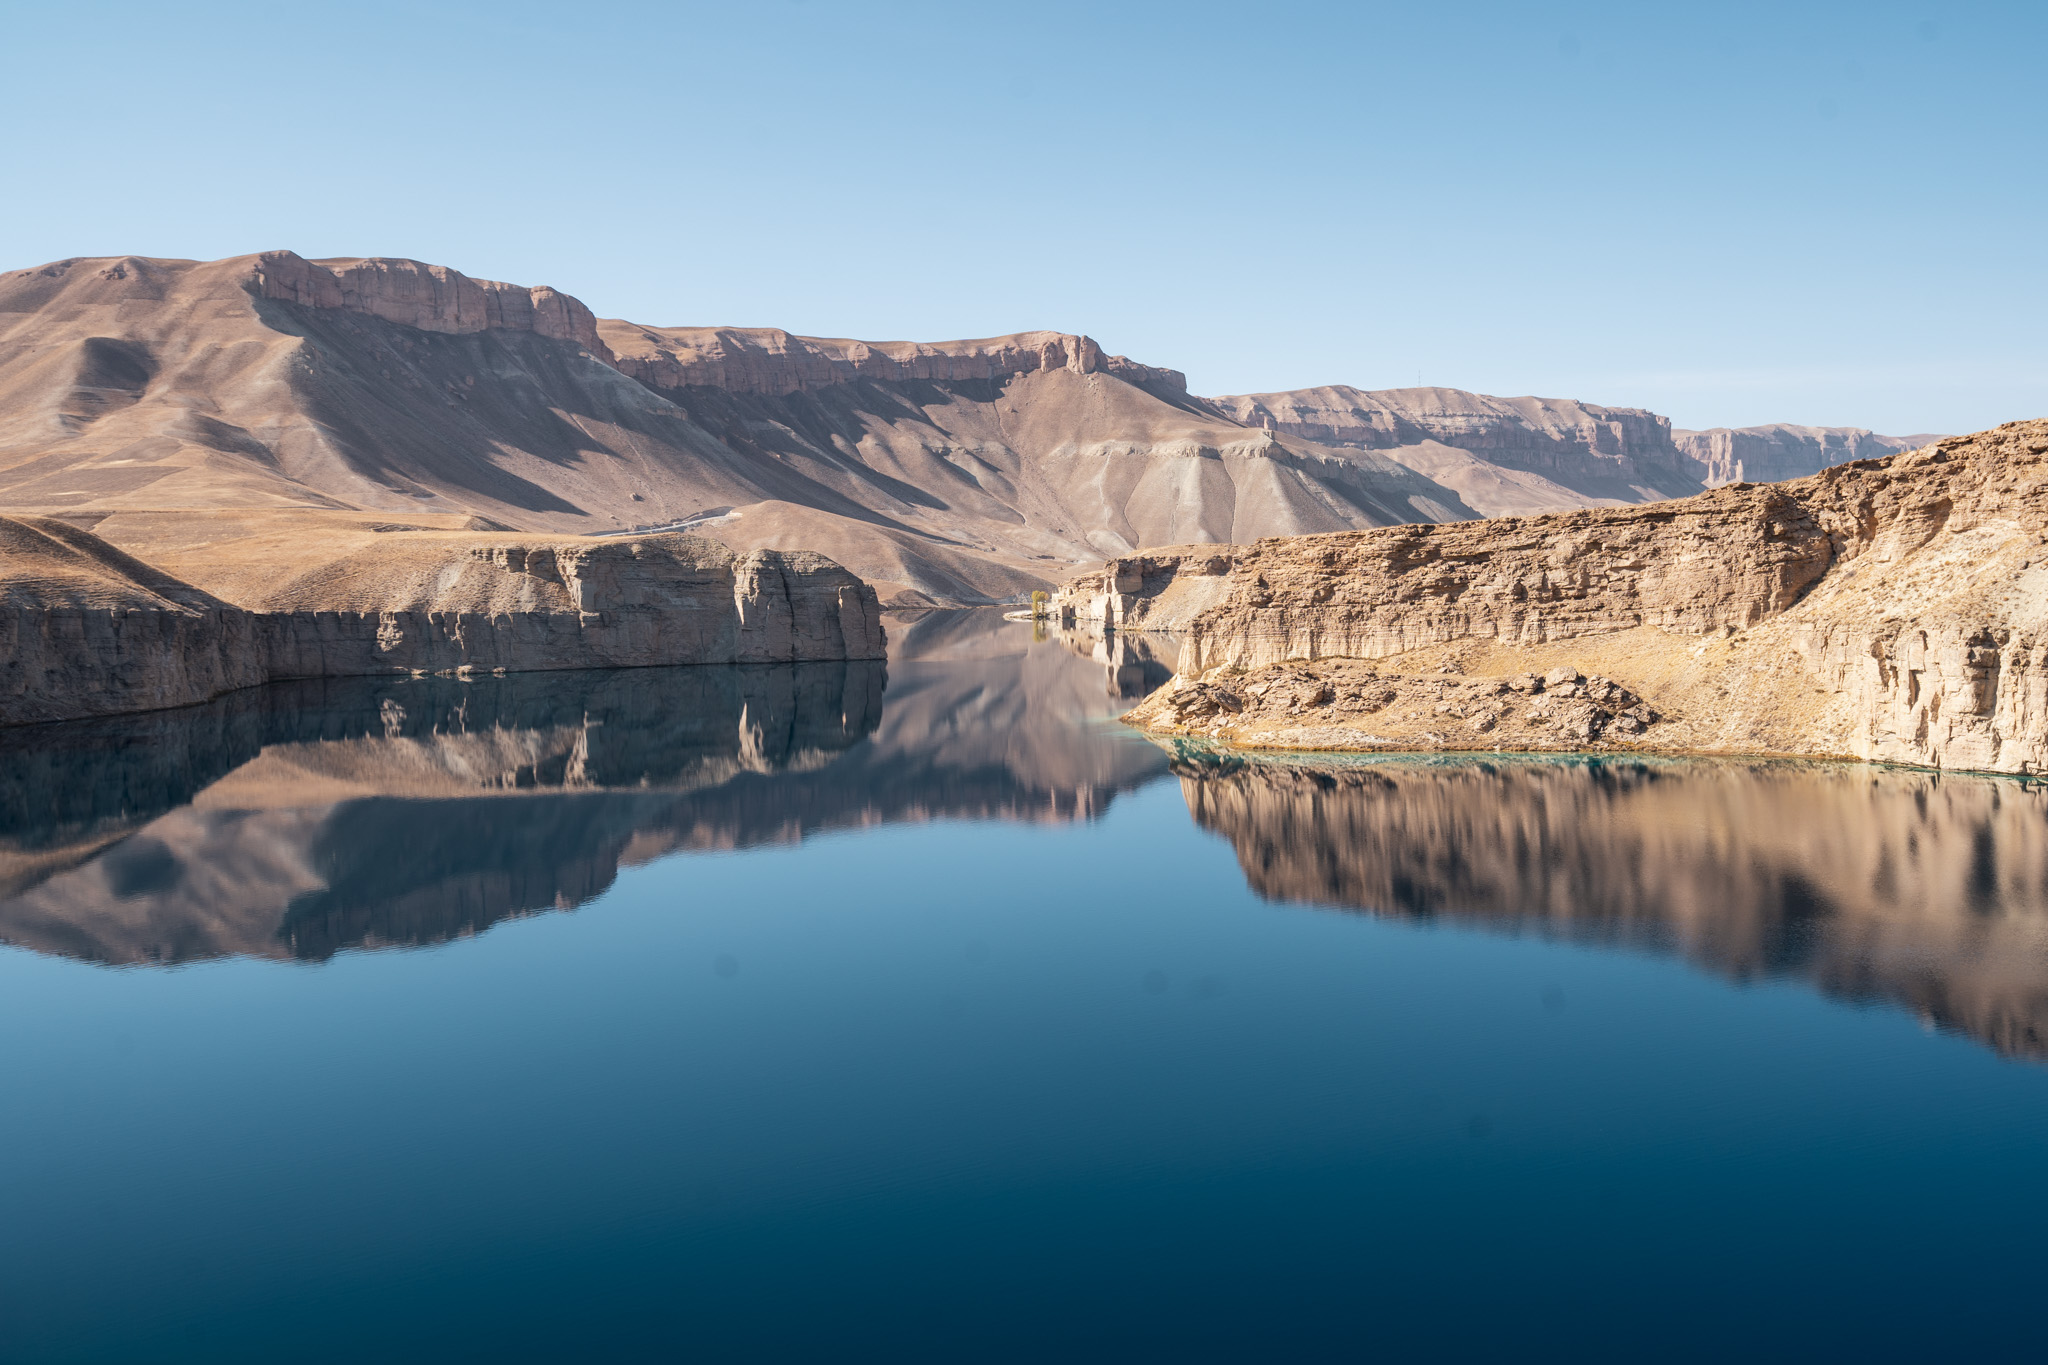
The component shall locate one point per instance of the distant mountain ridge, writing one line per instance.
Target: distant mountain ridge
(1779, 450)
(943, 473)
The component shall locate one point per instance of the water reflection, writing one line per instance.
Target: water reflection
(1134, 665)
(300, 820)
(1910, 888)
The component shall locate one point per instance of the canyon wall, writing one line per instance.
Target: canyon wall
(1624, 453)
(432, 298)
(768, 360)
(1725, 559)
(1767, 454)
(78, 640)
(1159, 590)
(1890, 609)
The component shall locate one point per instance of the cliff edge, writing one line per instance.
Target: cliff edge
(1892, 609)
(88, 630)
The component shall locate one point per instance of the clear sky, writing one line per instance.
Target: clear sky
(1731, 213)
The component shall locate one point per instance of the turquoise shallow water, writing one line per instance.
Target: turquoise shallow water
(935, 1017)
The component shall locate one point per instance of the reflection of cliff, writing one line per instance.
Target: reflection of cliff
(309, 817)
(1912, 888)
(1135, 664)
(299, 821)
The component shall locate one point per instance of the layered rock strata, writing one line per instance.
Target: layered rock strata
(768, 360)
(953, 473)
(1156, 590)
(1780, 450)
(1622, 453)
(86, 630)
(1890, 609)
(432, 298)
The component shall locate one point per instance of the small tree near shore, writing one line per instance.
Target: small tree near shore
(1038, 601)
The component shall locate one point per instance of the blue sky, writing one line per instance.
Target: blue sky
(1825, 213)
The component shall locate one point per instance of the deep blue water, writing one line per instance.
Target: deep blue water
(947, 1020)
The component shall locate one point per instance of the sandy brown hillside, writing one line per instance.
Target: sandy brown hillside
(959, 472)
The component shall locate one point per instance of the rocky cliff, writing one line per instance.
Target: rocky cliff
(1778, 451)
(1577, 453)
(432, 298)
(767, 360)
(1890, 609)
(87, 630)
(1159, 590)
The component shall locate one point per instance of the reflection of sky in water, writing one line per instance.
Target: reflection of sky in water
(938, 1028)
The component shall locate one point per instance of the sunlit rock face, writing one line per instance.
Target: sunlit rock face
(1781, 450)
(1924, 891)
(86, 629)
(1893, 610)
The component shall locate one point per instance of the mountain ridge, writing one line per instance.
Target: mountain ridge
(944, 473)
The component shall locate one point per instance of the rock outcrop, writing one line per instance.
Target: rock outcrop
(1890, 609)
(768, 360)
(87, 630)
(432, 298)
(1339, 704)
(1158, 590)
(1780, 450)
(1599, 453)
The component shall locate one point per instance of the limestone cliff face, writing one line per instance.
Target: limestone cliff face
(1779, 451)
(432, 298)
(1624, 453)
(1723, 559)
(1892, 609)
(767, 360)
(1158, 590)
(423, 603)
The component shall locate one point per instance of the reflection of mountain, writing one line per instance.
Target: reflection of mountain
(301, 820)
(1913, 888)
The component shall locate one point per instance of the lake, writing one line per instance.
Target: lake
(925, 1012)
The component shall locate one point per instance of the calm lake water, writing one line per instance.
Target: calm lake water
(835, 1012)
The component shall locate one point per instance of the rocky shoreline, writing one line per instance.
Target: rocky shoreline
(1893, 610)
(87, 630)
